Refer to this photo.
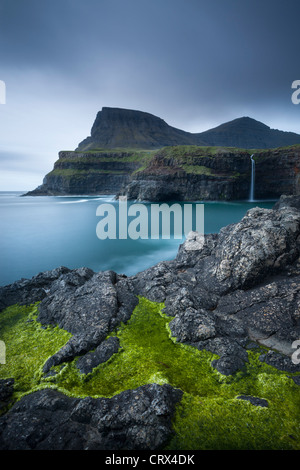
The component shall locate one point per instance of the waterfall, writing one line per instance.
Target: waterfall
(252, 187)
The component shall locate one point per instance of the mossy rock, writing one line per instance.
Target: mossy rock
(209, 416)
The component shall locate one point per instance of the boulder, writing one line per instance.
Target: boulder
(49, 420)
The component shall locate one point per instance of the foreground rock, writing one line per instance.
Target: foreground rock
(226, 293)
(48, 420)
(243, 285)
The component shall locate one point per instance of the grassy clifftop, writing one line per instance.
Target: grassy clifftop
(106, 171)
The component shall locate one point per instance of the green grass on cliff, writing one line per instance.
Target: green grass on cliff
(102, 155)
(198, 170)
(209, 415)
(183, 151)
(76, 173)
(192, 159)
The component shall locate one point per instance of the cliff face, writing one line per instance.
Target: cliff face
(215, 174)
(176, 173)
(277, 172)
(90, 173)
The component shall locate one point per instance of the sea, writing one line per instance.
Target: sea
(42, 233)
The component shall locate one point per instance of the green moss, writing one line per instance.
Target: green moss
(75, 173)
(28, 346)
(197, 170)
(97, 156)
(208, 417)
(184, 151)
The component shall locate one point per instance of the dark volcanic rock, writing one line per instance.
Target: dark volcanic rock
(6, 391)
(238, 286)
(288, 201)
(210, 174)
(102, 353)
(254, 400)
(89, 311)
(48, 420)
(29, 291)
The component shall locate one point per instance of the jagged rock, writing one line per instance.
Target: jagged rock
(288, 201)
(102, 353)
(228, 365)
(88, 310)
(133, 420)
(6, 391)
(254, 400)
(28, 291)
(242, 285)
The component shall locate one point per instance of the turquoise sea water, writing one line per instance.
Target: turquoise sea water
(42, 233)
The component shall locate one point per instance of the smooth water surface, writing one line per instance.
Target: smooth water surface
(42, 233)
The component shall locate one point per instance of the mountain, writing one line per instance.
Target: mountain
(249, 134)
(125, 128)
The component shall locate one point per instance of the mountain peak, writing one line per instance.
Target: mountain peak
(127, 128)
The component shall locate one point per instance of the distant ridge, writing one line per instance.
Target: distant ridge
(248, 133)
(125, 128)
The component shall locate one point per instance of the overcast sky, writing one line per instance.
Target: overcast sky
(194, 63)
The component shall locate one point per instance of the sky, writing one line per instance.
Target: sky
(194, 63)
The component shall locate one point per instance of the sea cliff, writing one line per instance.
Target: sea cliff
(213, 173)
(175, 173)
